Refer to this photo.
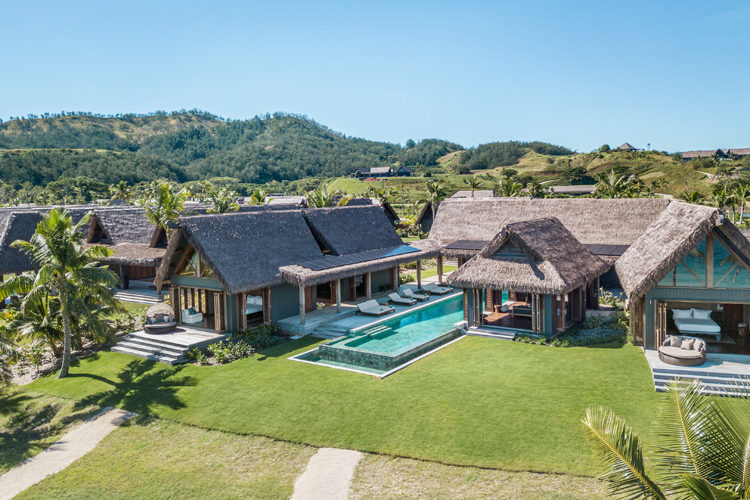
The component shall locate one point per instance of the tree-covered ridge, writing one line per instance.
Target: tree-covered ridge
(502, 154)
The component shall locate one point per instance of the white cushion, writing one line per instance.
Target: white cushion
(687, 344)
(675, 341)
(702, 313)
(682, 313)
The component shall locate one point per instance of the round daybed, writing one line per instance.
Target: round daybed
(683, 351)
(159, 319)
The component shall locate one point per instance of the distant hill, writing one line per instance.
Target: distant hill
(191, 145)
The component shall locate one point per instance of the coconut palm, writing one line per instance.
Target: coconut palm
(222, 201)
(473, 183)
(508, 187)
(66, 273)
(434, 195)
(703, 448)
(720, 197)
(258, 197)
(164, 205)
(692, 196)
(322, 197)
(120, 191)
(382, 195)
(536, 189)
(742, 196)
(7, 353)
(612, 185)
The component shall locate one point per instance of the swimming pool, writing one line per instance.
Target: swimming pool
(383, 345)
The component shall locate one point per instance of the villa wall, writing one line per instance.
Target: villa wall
(284, 301)
(381, 278)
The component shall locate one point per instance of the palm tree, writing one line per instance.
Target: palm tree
(434, 195)
(742, 196)
(7, 354)
(258, 197)
(222, 201)
(165, 205)
(120, 191)
(720, 197)
(692, 196)
(536, 189)
(382, 195)
(703, 450)
(321, 198)
(474, 183)
(612, 185)
(509, 188)
(67, 274)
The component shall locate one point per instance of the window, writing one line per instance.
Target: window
(729, 271)
(196, 266)
(691, 271)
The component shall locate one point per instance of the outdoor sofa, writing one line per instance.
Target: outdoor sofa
(683, 351)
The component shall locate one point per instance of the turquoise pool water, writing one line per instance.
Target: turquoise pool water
(408, 331)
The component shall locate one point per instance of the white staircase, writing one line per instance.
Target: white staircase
(714, 382)
(495, 333)
(168, 348)
(138, 298)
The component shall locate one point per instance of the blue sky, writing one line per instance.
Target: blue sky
(671, 73)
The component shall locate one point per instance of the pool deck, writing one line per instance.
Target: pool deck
(328, 323)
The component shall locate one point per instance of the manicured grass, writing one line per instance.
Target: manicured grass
(134, 307)
(169, 460)
(479, 401)
(379, 476)
(30, 422)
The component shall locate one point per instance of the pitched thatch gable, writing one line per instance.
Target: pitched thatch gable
(244, 250)
(536, 256)
(625, 146)
(478, 193)
(386, 207)
(666, 242)
(123, 225)
(348, 230)
(592, 221)
(19, 225)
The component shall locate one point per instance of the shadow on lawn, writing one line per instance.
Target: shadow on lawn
(31, 426)
(140, 386)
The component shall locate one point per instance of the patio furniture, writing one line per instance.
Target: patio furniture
(683, 351)
(159, 319)
(397, 299)
(190, 315)
(504, 307)
(434, 289)
(521, 309)
(409, 294)
(696, 322)
(372, 308)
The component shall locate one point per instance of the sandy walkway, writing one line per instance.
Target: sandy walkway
(328, 475)
(72, 446)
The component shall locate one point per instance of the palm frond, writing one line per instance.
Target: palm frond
(620, 450)
(700, 489)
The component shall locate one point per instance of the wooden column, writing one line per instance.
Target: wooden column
(394, 276)
(592, 295)
(637, 313)
(440, 269)
(576, 304)
(368, 285)
(217, 311)
(302, 304)
(466, 305)
(174, 301)
(338, 295)
(242, 312)
(419, 274)
(267, 305)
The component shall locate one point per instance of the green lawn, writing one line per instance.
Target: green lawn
(163, 459)
(31, 422)
(478, 402)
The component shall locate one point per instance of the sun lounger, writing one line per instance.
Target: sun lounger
(436, 289)
(409, 294)
(397, 299)
(372, 308)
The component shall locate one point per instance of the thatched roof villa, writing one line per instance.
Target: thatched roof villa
(17, 225)
(269, 265)
(666, 255)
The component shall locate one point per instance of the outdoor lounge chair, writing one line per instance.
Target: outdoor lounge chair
(409, 294)
(434, 289)
(190, 315)
(397, 299)
(683, 351)
(372, 308)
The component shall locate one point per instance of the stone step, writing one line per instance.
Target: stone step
(166, 347)
(135, 350)
(144, 337)
(136, 298)
(495, 334)
(681, 373)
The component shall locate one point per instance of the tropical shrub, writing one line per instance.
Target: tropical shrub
(262, 336)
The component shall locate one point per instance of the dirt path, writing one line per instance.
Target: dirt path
(72, 446)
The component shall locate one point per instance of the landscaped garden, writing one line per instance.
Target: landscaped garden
(478, 402)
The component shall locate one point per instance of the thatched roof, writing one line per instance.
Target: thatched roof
(123, 225)
(348, 230)
(17, 225)
(574, 189)
(290, 201)
(533, 256)
(244, 250)
(478, 193)
(666, 242)
(625, 146)
(370, 261)
(384, 206)
(135, 254)
(592, 221)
